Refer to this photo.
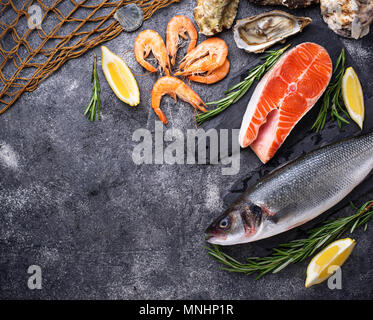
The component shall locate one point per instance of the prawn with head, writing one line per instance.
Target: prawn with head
(150, 41)
(180, 26)
(207, 56)
(175, 88)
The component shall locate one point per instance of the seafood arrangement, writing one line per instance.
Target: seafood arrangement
(289, 83)
(282, 98)
(295, 193)
(300, 77)
(257, 33)
(206, 63)
(347, 18)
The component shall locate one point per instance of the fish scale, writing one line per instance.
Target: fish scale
(298, 191)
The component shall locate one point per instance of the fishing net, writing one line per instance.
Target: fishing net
(67, 30)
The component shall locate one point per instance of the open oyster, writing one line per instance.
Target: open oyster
(257, 33)
(348, 18)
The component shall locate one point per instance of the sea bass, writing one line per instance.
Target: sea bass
(284, 95)
(295, 193)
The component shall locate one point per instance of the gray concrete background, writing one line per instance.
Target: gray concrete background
(73, 201)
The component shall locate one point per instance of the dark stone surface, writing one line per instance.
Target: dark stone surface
(73, 201)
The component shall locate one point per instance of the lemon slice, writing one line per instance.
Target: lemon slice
(120, 77)
(353, 96)
(334, 254)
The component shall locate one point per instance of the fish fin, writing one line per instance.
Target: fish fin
(283, 213)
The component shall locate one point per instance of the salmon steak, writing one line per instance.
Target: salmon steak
(283, 96)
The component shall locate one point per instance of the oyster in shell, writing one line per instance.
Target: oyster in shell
(212, 16)
(257, 33)
(348, 18)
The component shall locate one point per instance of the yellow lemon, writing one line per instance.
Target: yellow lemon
(324, 263)
(353, 96)
(120, 77)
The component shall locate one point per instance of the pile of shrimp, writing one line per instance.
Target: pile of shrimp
(206, 63)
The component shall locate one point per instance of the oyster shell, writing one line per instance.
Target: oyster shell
(348, 18)
(212, 16)
(130, 17)
(257, 33)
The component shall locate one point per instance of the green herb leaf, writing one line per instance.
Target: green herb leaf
(332, 96)
(95, 103)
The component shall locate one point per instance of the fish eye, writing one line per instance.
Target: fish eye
(224, 223)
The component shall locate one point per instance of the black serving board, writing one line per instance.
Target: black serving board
(300, 141)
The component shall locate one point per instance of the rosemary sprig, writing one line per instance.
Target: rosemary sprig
(333, 97)
(296, 250)
(95, 103)
(236, 92)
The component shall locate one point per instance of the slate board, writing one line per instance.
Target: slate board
(300, 141)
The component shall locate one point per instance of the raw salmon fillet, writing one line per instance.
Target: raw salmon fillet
(283, 96)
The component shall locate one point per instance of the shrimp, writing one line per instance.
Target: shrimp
(173, 87)
(150, 40)
(214, 76)
(207, 56)
(179, 26)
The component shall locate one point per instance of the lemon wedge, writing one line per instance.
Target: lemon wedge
(120, 77)
(353, 96)
(334, 255)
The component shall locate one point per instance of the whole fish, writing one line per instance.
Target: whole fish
(295, 193)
